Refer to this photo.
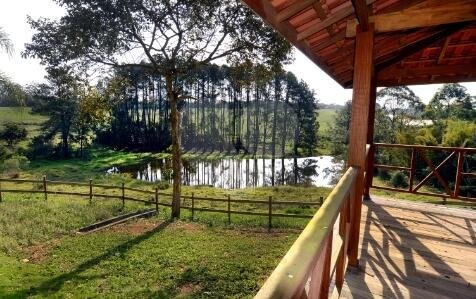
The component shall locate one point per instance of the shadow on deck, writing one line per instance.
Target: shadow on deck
(414, 250)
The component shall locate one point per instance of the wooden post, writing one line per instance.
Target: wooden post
(156, 200)
(359, 128)
(1, 192)
(90, 191)
(412, 170)
(369, 173)
(123, 196)
(321, 200)
(459, 170)
(229, 209)
(270, 209)
(44, 187)
(193, 205)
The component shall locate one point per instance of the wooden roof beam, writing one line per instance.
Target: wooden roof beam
(334, 18)
(293, 9)
(451, 12)
(362, 14)
(437, 70)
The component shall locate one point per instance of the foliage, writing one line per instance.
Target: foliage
(5, 42)
(399, 180)
(11, 93)
(401, 106)
(338, 133)
(14, 165)
(174, 36)
(451, 101)
(460, 134)
(12, 134)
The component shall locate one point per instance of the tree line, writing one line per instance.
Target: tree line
(243, 109)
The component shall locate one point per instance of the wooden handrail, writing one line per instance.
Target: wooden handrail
(301, 261)
(410, 146)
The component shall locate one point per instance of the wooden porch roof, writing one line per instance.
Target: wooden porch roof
(416, 41)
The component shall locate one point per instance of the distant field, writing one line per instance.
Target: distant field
(23, 117)
(326, 118)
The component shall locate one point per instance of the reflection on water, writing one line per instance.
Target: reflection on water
(239, 173)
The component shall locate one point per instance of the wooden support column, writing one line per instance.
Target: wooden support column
(359, 128)
(369, 168)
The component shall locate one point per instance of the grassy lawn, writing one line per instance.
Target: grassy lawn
(40, 255)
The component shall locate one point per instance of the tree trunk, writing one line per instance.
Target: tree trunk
(176, 159)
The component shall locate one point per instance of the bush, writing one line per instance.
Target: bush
(383, 174)
(399, 180)
(12, 166)
(12, 134)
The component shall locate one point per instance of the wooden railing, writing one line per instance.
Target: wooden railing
(318, 255)
(420, 151)
(44, 188)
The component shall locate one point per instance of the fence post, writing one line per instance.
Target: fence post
(1, 192)
(44, 187)
(321, 200)
(270, 208)
(123, 196)
(193, 205)
(229, 210)
(156, 200)
(90, 191)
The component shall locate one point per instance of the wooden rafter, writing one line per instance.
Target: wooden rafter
(409, 49)
(293, 9)
(451, 12)
(335, 18)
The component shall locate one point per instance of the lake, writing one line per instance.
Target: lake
(239, 173)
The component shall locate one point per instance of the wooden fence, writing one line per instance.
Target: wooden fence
(155, 195)
(420, 151)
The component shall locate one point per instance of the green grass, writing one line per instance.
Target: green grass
(146, 259)
(24, 118)
(41, 257)
(326, 118)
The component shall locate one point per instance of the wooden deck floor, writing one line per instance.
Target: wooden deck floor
(411, 250)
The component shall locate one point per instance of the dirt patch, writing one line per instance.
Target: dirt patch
(187, 226)
(135, 227)
(38, 253)
(189, 288)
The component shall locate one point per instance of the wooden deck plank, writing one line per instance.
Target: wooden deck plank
(414, 250)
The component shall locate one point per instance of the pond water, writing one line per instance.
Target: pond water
(239, 173)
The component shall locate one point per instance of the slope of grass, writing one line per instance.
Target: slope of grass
(326, 118)
(24, 118)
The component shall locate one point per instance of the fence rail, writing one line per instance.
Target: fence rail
(92, 193)
(317, 254)
(421, 151)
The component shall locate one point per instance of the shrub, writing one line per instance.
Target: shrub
(12, 166)
(399, 180)
(383, 174)
(12, 134)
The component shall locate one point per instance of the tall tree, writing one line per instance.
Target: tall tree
(451, 101)
(6, 44)
(171, 36)
(402, 106)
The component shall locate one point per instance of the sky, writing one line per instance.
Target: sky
(13, 17)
